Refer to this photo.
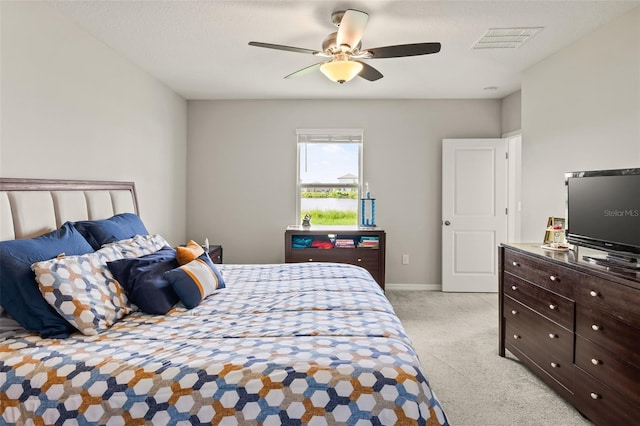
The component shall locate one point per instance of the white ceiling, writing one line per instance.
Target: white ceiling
(199, 48)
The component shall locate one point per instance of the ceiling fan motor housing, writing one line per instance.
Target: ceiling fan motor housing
(329, 44)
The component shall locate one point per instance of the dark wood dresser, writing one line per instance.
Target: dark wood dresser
(576, 325)
(362, 253)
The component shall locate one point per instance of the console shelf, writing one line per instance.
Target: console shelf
(363, 247)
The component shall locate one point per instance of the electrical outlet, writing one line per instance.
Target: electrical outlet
(405, 259)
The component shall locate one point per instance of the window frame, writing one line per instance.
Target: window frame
(342, 136)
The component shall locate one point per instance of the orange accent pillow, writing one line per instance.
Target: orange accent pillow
(189, 252)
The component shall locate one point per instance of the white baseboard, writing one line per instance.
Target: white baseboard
(423, 287)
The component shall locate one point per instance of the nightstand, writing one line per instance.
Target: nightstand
(215, 253)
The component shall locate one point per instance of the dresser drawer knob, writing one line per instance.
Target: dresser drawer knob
(553, 336)
(514, 287)
(554, 278)
(515, 263)
(515, 336)
(593, 293)
(552, 306)
(359, 260)
(554, 365)
(310, 260)
(595, 327)
(595, 361)
(595, 395)
(514, 312)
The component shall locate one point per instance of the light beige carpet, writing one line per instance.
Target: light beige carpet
(456, 338)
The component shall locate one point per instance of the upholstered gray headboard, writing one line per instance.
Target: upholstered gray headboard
(31, 207)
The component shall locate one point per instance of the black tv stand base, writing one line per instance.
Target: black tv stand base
(615, 261)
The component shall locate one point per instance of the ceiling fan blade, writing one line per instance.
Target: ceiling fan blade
(281, 47)
(402, 50)
(305, 70)
(351, 28)
(369, 73)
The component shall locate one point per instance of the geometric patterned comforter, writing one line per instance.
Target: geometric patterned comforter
(298, 343)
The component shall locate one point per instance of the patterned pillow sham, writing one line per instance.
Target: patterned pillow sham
(195, 280)
(83, 290)
(139, 245)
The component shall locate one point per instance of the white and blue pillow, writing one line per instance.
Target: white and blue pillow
(195, 280)
(83, 290)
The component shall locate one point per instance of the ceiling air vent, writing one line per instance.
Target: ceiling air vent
(506, 38)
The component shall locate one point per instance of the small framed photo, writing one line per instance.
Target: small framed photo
(555, 230)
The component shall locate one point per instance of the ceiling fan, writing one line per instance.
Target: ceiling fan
(344, 52)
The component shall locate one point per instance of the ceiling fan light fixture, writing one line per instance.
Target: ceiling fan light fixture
(341, 71)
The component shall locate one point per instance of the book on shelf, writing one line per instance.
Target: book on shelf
(369, 242)
(344, 243)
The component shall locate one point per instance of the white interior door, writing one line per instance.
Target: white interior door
(474, 216)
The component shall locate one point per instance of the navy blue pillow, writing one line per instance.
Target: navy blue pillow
(116, 228)
(19, 293)
(143, 281)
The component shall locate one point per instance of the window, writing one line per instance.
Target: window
(329, 175)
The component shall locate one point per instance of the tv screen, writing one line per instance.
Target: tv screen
(603, 210)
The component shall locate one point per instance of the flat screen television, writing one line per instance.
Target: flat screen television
(603, 212)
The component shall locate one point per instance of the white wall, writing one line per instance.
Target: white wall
(72, 108)
(580, 111)
(242, 172)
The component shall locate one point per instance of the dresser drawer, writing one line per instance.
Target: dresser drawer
(545, 342)
(552, 276)
(601, 404)
(312, 255)
(608, 332)
(607, 367)
(553, 306)
(617, 299)
(353, 256)
(363, 257)
(367, 258)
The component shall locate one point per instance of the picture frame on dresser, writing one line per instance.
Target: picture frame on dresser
(555, 227)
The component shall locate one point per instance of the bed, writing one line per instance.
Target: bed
(291, 344)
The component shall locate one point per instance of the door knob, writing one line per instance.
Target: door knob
(447, 223)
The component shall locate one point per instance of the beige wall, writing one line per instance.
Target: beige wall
(72, 108)
(511, 107)
(580, 111)
(242, 171)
